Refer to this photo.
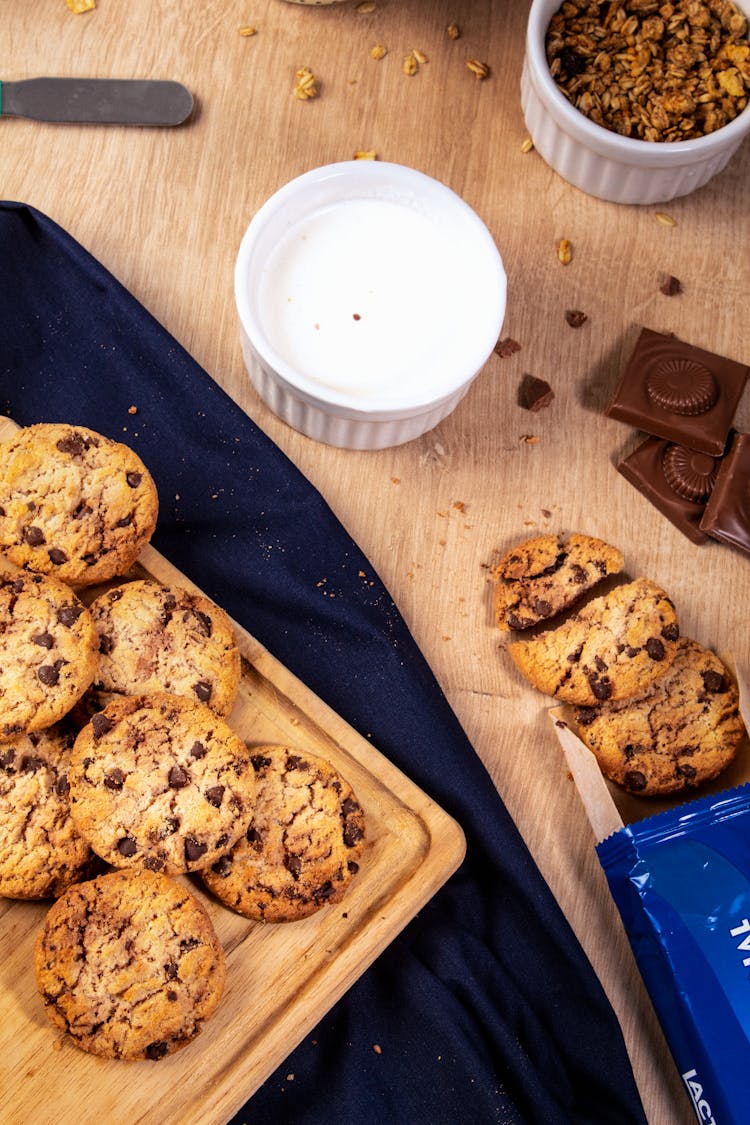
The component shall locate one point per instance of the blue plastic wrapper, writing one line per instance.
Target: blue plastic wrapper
(681, 881)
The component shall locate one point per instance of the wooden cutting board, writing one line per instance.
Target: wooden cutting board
(281, 979)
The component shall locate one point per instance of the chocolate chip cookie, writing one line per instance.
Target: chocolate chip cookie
(160, 782)
(547, 574)
(73, 504)
(684, 731)
(613, 648)
(48, 652)
(164, 638)
(129, 965)
(304, 843)
(41, 853)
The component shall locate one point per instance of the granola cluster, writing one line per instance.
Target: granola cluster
(652, 70)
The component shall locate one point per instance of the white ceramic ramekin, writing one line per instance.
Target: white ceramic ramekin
(599, 161)
(391, 410)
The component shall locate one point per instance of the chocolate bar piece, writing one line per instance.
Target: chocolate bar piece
(678, 392)
(677, 481)
(534, 393)
(727, 514)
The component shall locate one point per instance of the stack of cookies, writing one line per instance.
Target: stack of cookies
(659, 711)
(119, 769)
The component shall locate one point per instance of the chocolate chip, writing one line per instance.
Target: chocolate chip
(127, 846)
(586, 715)
(62, 785)
(713, 681)
(57, 556)
(69, 614)
(34, 536)
(655, 648)
(74, 444)
(259, 762)
(194, 850)
(635, 781)
(171, 971)
(323, 893)
(686, 771)
(157, 1050)
(601, 687)
(352, 867)
(170, 826)
(294, 762)
(198, 750)
(7, 758)
(106, 644)
(188, 943)
(45, 640)
(254, 837)
(352, 834)
(202, 690)
(153, 862)
(671, 632)
(178, 777)
(115, 779)
(82, 511)
(222, 867)
(215, 795)
(203, 622)
(293, 865)
(30, 764)
(101, 725)
(542, 607)
(134, 479)
(125, 521)
(171, 995)
(48, 675)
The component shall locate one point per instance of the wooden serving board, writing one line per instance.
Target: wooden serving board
(281, 979)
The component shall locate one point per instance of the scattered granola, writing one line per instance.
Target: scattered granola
(479, 69)
(366, 7)
(420, 56)
(565, 251)
(671, 286)
(506, 346)
(410, 64)
(656, 70)
(527, 144)
(378, 51)
(305, 84)
(246, 32)
(78, 6)
(665, 220)
(365, 154)
(454, 31)
(575, 317)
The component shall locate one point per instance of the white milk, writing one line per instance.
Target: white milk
(370, 297)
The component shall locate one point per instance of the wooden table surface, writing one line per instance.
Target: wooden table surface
(164, 210)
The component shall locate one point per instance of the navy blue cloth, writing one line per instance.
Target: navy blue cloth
(485, 1008)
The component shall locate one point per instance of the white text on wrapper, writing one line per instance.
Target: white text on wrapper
(695, 1089)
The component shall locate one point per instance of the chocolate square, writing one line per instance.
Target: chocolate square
(727, 514)
(678, 392)
(677, 481)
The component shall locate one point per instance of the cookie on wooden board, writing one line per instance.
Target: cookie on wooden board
(41, 853)
(160, 782)
(48, 652)
(157, 638)
(129, 965)
(547, 574)
(613, 648)
(683, 732)
(304, 843)
(73, 503)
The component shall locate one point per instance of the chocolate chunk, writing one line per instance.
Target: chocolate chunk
(194, 849)
(655, 648)
(69, 614)
(713, 682)
(635, 781)
(101, 725)
(48, 674)
(534, 394)
(352, 834)
(223, 866)
(293, 864)
(115, 779)
(125, 521)
(134, 479)
(153, 862)
(156, 1051)
(727, 513)
(670, 286)
(105, 644)
(254, 837)
(45, 640)
(647, 468)
(34, 536)
(178, 777)
(197, 750)
(202, 690)
(62, 785)
(30, 763)
(75, 444)
(679, 392)
(127, 846)
(171, 970)
(57, 556)
(215, 795)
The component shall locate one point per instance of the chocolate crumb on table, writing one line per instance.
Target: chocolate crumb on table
(535, 394)
(506, 347)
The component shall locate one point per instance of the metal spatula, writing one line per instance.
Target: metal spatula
(112, 101)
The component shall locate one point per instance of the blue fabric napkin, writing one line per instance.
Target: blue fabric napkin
(485, 1008)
